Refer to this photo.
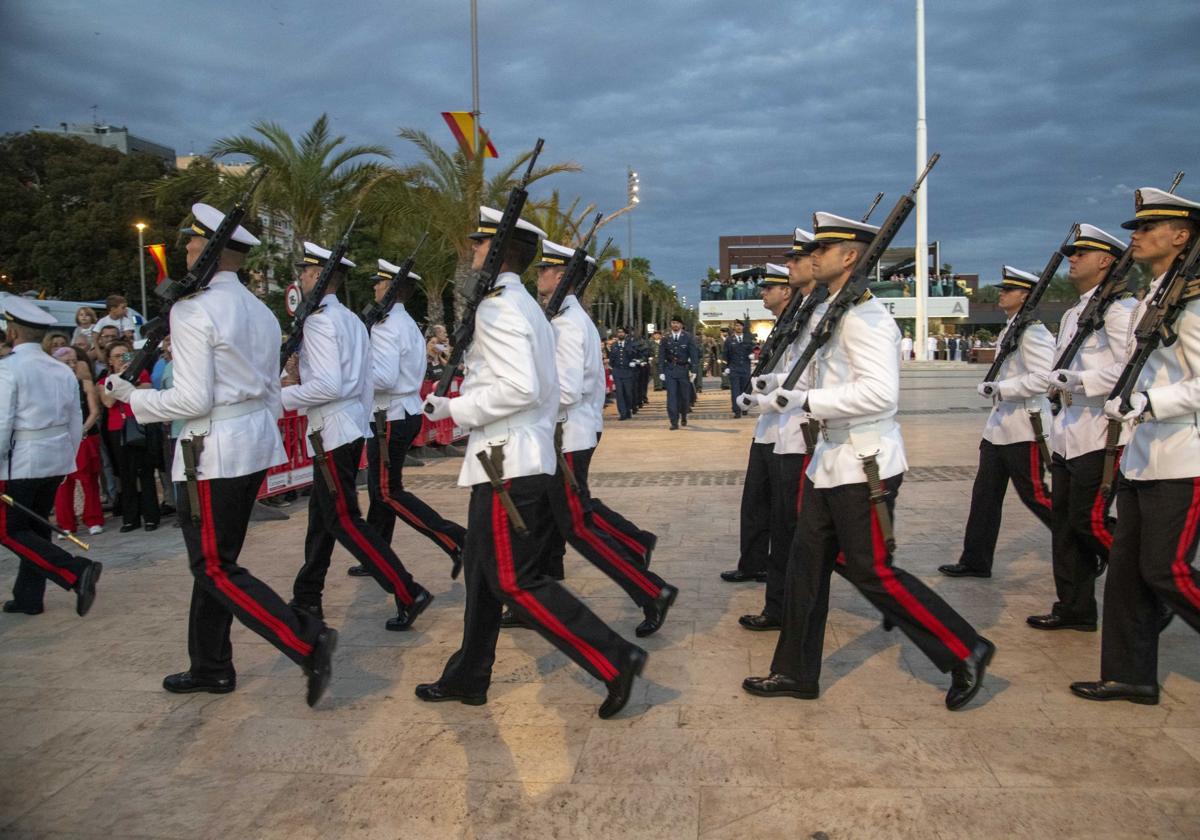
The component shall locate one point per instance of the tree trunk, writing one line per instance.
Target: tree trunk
(435, 311)
(462, 274)
(640, 325)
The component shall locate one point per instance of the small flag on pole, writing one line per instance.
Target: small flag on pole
(462, 125)
(158, 253)
(618, 267)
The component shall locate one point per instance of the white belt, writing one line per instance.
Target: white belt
(318, 414)
(384, 401)
(843, 434)
(1081, 400)
(40, 434)
(496, 434)
(201, 426)
(1181, 420)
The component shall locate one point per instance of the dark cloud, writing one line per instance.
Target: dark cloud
(740, 118)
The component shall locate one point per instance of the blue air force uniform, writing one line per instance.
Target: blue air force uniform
(677, 356)
(624, 358)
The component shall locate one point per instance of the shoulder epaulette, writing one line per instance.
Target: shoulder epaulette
(1191, 290)
(495, 292)
(195, 293)
(1035, 323)
(1123, 295)
(864, 297)
(319, 310)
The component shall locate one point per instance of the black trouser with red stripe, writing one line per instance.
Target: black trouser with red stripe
(755, 531)
(570, 507)
(788, 476)
(41, 560)
(842, 519)
(1158, 523)
(1082, 532)
(502, 568)
(222, 589)
(333, 516)
(1020, 462)
(636, 540)
(390, 501)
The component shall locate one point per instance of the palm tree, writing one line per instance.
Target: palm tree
(445, 191)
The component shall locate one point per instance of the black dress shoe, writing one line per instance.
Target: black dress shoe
(14, 607)
(1165, 617)
(185, 682)
(738, 576)
(358, 571)
(132, 526)
(1052, 621)
(674, 426)
(760, 577)
(760, 622)
(887, 624)
(456, 562)
(85, 587)
(683, 420)
(961, 570)
(319, 669)
(620, 685)
(510, 619)
(150, 526)
(408, 614)
(438, 693)
(780, 685)
(967, 677)
(166, 510)
(312, 609)
(656, 613)
(1145, 695)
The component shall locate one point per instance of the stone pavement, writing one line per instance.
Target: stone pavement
(93, 747)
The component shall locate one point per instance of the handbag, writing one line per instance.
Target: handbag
(133, 433)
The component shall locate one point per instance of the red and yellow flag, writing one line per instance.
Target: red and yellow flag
(462, 125)
(158, 253)
(618, 267)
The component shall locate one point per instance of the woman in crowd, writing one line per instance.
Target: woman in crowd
(135, 456)
(437, 351)
(53, 341)
(87, 459)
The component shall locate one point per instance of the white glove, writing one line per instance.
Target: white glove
(726, 371)
(747, 401)
(795, 399)
(691, 377)
(1138, 402)
(663, 377)
(119, 388)
(437, 408)
(1067, 380)
(633, 364)
(988, 390)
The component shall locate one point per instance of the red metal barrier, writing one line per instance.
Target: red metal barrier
(297, 471)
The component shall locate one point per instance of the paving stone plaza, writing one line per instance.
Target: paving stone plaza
(95, 748)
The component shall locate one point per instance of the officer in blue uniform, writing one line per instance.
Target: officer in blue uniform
(677, 356)
(624, 359)
(738, 349)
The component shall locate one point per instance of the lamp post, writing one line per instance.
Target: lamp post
(634, 200)
(141, 227)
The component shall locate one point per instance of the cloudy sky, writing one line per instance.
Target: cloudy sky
(741, 118)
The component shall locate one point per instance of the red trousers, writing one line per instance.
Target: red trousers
(87, 473)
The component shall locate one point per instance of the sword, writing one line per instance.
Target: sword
(15, 505)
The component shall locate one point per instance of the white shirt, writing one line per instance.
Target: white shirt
(790, 435)
(510, 392)
(580, 374)
(1022, 382)
(853, 383)
(124, 324)
(38, 392)
(397, 363)
(1080, 428)
(224, 351)
(335, 376)
(1168, 446)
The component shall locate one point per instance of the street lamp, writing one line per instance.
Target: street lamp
(634, 199)
(141, 227)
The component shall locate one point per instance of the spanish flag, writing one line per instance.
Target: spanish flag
(618, 267)
(158, 253)
(462, 125)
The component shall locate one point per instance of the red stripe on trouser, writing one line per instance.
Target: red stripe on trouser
(343, 512)
(906, 599)
(1035, 476)
(508, 583)
(579, 526)
(215, 573)
(394, 504)
(619, 535)
(28, 553)
(1099, 525)
(1180, 570)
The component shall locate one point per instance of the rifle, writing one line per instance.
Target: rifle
(592, 268)
(793, 320)
(1092, 317)
(377, 311)
(1155, 328)
(574, 271)
(485, 279)
(1024, 316)
(858, 282)
(312, 301)
(197, 278)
